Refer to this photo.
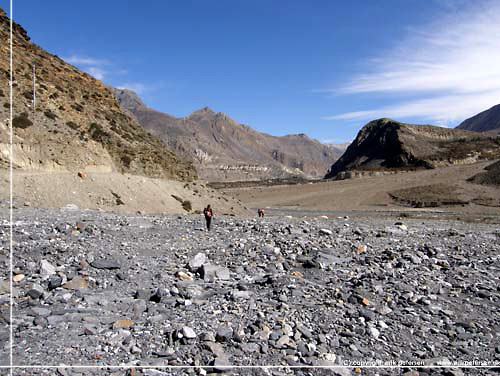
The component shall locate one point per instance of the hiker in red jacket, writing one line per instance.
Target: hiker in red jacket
(208, 212)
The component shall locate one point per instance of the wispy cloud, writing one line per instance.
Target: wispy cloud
(97, 72)
(102, 68)
(95, 67)
(450, 67)
(137, 87)
(81, 60)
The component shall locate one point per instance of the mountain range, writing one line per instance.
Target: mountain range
(79, 124)
(224, 150)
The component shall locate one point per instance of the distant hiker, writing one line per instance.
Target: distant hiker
(208, 212)
(260, 212)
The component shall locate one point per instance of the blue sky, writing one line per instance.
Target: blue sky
(324, 68)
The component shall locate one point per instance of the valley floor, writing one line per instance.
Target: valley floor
(372, 194)
(135, 290)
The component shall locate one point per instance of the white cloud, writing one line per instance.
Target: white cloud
(96, 72)
(90, 65)
(81, 60)
(452, 68)
(135, 86)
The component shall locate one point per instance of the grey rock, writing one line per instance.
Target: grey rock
(214, 272)
(197, 262)
(188, 332)
(105, 264)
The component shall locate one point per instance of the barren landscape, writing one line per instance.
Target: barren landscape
(384, 253)
(373, 194)
(158, 290)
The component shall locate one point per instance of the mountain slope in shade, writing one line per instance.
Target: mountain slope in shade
(77, 124)
(489, 177)
(485, 121)
(385, 144)
(224, 150)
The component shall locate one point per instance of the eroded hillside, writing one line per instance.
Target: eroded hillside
(386, 145)
(76, 123)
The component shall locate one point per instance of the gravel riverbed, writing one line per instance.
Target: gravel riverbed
(94, 288)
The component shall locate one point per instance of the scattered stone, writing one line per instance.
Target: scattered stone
(105, 264)
(46, 269)
(361, 249)
(214, 272)
(124, 323)
(189, 333)
(55, 281)
(18, 277)
(374, 332)
(36, 291)
(197, 262)
(184, 276)
(77, 283)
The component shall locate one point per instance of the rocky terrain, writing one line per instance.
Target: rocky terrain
(77, 124)
(486, 121)
(136, 290)
(224, 150)
(385, 145)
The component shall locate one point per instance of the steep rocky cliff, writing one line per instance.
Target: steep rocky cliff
(386, 145)
(76, 124)
(224, 150)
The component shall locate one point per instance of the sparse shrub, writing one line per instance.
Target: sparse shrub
(97, 132)
(1, 93)
(50, 115)
(186, 205)
(22, 121)
(126, 160)
(72, 125)
(53, 96)
(77, 106)
(6, 105)
(177, 198)
(28, 94)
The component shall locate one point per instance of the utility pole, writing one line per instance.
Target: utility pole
(34, 92)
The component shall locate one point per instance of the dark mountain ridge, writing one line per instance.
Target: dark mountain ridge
(486, 121)
(385, 145)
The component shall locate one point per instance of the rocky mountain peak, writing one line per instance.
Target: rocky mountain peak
(204, 111)
(128, 98)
